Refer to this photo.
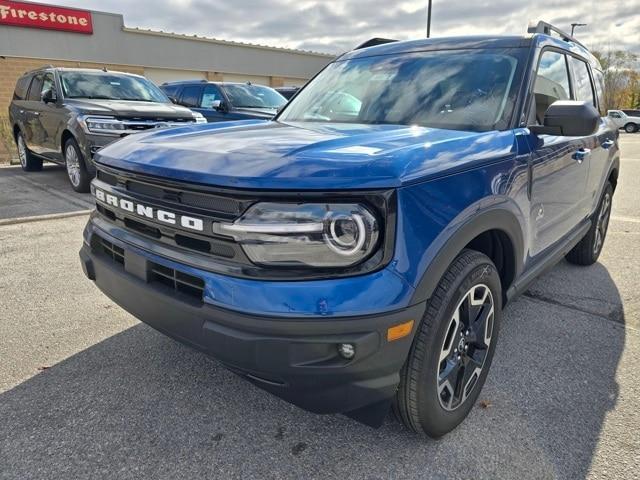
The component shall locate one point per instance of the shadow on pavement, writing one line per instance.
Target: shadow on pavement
(139, 405)
(27, 194)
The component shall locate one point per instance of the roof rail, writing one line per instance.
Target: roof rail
(43, 67)
(548, 29)
(373, 42)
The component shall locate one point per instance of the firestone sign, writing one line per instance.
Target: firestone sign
(33, 15)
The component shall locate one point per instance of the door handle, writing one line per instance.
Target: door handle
(607, 143)
(581, 154)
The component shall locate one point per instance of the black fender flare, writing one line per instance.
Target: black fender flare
(502, 216)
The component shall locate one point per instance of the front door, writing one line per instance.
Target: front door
(559, 165)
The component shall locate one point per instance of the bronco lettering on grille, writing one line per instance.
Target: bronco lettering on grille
(164, 216)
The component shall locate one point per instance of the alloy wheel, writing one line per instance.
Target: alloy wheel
(465, 347)
(73, 165)
(22, 152)
(602, 223)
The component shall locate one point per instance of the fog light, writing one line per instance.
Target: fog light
(347, 350)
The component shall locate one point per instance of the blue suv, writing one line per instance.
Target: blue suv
(357, 257)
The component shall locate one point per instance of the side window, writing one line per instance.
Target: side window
(170, 90)
(582, 81)
(599, 81)
(47, 83)
(211, 94)
(22, 85)
(35, 88)
(191, 96)
(614, 115)
(552, 82)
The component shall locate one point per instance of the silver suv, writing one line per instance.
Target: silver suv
(65, 115)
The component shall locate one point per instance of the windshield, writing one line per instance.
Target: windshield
(110, 86)
(253, 96)
(462, 90)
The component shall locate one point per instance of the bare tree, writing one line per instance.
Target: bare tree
(620, 78)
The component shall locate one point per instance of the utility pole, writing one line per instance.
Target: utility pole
(574, 25)
(429, 19)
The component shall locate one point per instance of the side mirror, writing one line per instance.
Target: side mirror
(568, 118)
(49, 96)
(173, 99)
(219, 105)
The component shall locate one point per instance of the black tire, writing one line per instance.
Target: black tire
(76, 168)
(28, 161)
(424, 403)
(587, 251)
(631, 128)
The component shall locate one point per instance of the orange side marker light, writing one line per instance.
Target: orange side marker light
(399, 331)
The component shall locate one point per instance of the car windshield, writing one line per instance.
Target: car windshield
(459, 89)
(110, 86)
(253, 96)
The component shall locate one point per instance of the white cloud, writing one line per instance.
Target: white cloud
(337, 25)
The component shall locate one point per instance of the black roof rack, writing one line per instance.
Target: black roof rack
(373, 42)
(548, 29)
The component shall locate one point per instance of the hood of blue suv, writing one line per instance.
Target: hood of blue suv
(128, 108)
(271, 155)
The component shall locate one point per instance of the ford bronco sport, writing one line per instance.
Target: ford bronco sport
(65, 115)
(358, 258)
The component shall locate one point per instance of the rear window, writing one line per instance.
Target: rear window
(598, 77)
(22, 85)
(35, 89)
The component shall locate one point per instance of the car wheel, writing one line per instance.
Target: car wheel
(452, 351)
(76, 168)
(587, 251)
(28, 161)
(630, 128)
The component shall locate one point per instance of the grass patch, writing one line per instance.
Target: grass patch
(8, 151)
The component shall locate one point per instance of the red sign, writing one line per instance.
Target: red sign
(35, 15)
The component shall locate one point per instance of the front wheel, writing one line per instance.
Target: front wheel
(76, 168)
(453, 348)
(630, 128)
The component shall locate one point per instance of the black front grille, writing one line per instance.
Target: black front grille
(179, 281)
(212, 203)
(115, 252)
(107, 178)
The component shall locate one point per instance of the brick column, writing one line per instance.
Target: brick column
(214, 76)
(276, 81)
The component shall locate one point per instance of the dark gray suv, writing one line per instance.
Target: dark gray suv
(65, 115)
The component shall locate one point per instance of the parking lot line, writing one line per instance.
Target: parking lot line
(39, 218)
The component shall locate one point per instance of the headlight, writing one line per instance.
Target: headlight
(103, 125)
(308, 234)
(199, 117)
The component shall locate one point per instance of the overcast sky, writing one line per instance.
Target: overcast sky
(334, 26)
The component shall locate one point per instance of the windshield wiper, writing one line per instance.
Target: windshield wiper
(92, 97)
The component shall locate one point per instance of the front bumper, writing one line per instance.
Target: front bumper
(294, 358)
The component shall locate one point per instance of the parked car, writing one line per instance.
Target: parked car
(65, 115)
(287, 92)
(627, 119)
(357, 261)
(224, 101)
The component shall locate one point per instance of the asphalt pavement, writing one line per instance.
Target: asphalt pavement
(86, 391)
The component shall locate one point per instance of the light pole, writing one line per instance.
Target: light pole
(429, 19)
(574, 25)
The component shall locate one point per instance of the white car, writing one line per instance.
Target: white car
(627, 119)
